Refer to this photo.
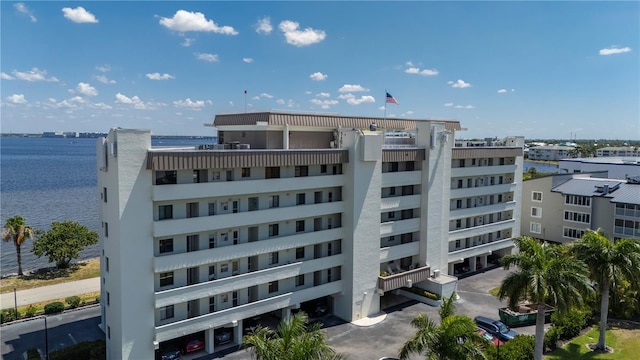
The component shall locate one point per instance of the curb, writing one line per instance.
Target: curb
(39, 316)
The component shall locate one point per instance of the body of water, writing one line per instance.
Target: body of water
(51, 179)
(541, 167)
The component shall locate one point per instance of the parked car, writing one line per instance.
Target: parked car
(169, 352)
(489, 337)
(495, 328)
(251, 324)
(193, 344)
(320, 309)
(223, 336)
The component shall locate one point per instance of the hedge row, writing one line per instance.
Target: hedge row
(8, 315)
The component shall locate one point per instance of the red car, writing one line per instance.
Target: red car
(193, 344)
(490, 337)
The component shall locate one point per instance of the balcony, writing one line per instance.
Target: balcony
(401, 178)
(482, 229)
(482, 190)
(399, 280)
(483, 170)
(462, 213)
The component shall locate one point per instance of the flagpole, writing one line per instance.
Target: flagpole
(245, 101)
(385, 104)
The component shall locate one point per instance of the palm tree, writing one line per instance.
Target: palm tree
(546, 275)
(15, 230)
(455, 338)
(295, 339)
(610, 264)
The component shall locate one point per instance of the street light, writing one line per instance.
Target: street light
(46, 339)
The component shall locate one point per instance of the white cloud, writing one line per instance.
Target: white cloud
(352, 88)
(33, 75)
(409, 112)
(614, 50)
(158, 76)
(459, 84)
(103, 68)
(298, 37)
(265, 95)
(207, 57)
(247, 60)
(448, 104)
(103, 79)
(353, 100)
(17, 99)
(513, 90)
(502, 91)
(86, 89)
(79, 15)
(324, 104)
(102, 106)
(23, 9)
(264, 26)
(409, 63)
(469, 107)
(280, 102)
(459, 106)
(184, 21)
(6, 76)
(135, 101)
(323, 94)
(187, 42)
(255, 97)
(424, 72)
(318, 76)
(188, 103)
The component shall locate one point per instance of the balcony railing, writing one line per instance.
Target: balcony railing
(396, 281)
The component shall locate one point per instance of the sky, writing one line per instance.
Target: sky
(543, 70)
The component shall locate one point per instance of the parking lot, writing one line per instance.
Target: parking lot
(386, 338)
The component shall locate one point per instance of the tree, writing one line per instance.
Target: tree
(610, 263)
(295, 339)
(546, 275)
(63, 242)
(455, 338)
(17, 231)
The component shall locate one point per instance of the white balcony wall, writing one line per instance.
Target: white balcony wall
(478, 250)
(399, 251)
(399, 227)
(242, 281)
(481, 210)
(400, 203)
(482, 190)
(481, 230)
(482, 170)
(166, 228)
(401, 178)
(204, 257)
(227, 316)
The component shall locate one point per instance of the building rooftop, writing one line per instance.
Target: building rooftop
(620, 191)
(624, 160)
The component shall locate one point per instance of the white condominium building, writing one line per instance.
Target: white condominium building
(290, 209)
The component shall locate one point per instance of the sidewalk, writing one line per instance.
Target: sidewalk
(51, 292)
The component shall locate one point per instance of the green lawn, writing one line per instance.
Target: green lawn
(77, 271)
(624, 341)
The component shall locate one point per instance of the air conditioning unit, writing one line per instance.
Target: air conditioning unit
(436, 273)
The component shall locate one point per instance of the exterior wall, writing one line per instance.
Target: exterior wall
(552, 208)
(310, 139)
(602, 215)
(615, 171)
(553, 153)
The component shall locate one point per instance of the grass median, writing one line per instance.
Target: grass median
(78, 271)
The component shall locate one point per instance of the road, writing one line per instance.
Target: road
(63, 330)
(50, 292)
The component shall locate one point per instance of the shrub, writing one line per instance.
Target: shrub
(98, 299)
(7, 315)
(522, 347)
(423, 292)
(73, 301)
(86, 350)
(31, 311)
(551, 338)
(54, 307)
(571, 322)
(33, 354)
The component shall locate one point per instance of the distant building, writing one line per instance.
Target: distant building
(617, 167)
(550, 152)
(291, 209)
(560, 207)
(53, 134)
(619, 151)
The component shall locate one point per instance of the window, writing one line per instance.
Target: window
(572, 233)
(458, 223)
(104, 194)
(165, 212)
(108, 299)
(323, 169)
(536, 196)
(212, 304)
(106, 263)
(457, 244)
(254, 204)
(536, 212)
(166, 278)
(300, 253)
(272, 173)
(212, 208)
(166, 312)
(224, 267)
(300, 226)
(577, 200)
(193, 242)
(246, 172)
(212, 241)
(300, 199)
(300, 280)
(212, 272)
(317, 197)
(273, 286)
(109, 332)
(577, 217)
(225, 298)
(106, 229)
(166, 177)
(229, 175)
(273, 230)
(535, 228)
(392, 191)
(192, 210)
(274, 258)
(301, 171)
(215, 176)
(274, 201)
(166, 246)
(458, 204)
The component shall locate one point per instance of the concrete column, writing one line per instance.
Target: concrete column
(237, 337)
(483, 260)
(286, 313)
(208, 341)
(451, 270)
(285, 137)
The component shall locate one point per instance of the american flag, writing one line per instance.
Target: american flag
(392, 100)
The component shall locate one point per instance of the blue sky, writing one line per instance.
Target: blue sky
(538, 69)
